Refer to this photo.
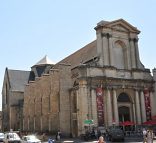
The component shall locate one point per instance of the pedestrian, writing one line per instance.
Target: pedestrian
(58, 135)
(144, 132)
(149, 136)
(101, 140)
(43, 137)
(50, 140)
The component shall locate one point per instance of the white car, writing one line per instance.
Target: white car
(1, 137)
(11, 137)
(30, 139)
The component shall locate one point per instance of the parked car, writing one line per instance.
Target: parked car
(11, 137)
(116, 134)
(1, 137)
(30, 139)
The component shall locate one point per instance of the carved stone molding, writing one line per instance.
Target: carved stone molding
(136, 40)
(107, 35)
(133, 39)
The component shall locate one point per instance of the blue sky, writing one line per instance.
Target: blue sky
(31, 29)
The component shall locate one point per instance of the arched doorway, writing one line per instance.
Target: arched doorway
(124, 114)
(124, 107)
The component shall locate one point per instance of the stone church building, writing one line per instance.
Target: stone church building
(104, 81)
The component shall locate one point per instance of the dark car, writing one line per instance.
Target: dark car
(115, 134)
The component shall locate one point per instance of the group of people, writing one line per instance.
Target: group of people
(147, 136)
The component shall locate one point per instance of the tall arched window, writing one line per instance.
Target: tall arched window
(119, 51)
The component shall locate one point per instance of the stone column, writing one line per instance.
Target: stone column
(105, 107)
(137, 103)
(94, 106)
(128, 57)
(134, 113)
(78, 109)
(143, 112)
(116, 114)
(137, 53)
(111, 57)
(133, 58)
(89, 99)
(109, 108)
(152, 104)
(83, 106)
(105, 48)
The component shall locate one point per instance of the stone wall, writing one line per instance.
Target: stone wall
(46, 102)
(65, 85)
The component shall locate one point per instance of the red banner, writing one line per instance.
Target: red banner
(100, 106)
(147, 104)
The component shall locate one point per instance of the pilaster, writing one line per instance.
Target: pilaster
(134, 113)
(28, 123)
(49, 124)
(23, 124)
(105, 43)
(133, 58)
(41, 124)
(34, 123)
(137, 53)
(111, 57)
(100, 48)
(143, 111)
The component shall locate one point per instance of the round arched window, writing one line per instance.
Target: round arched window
(123, 97)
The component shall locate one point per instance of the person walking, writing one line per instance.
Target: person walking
(50, 140)
(144, 132)
(101, 140)
(149, 136)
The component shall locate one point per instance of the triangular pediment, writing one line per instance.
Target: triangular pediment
(119, 25)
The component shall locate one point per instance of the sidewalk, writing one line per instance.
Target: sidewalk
(78, 140)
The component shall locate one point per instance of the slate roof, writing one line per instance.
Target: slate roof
(83, 55)
(18, 79)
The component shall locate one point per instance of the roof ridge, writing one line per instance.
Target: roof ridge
(18, 70)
